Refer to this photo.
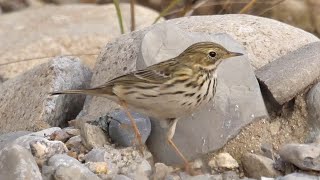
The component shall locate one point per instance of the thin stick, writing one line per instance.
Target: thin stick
(116, 4)
(210, 3)
(165, 11)
(272, 6)
(44, 57)
(246, 8)
(224, 7)
(133, 22)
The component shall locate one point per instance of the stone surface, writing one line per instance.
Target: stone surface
(126, 161)
(267, 178)
(267, 149)
(59, 30)
(224, 161)
(92, 136)
(17, 162)
(11, 136)
(67, 168)
(197, 164)
(96, 155)
(313, 106)
(260, 36)
(72, 131)
(161, 171)
(257, 166)
(33, 108)
(288, 76)
(43, 149)
(121, 131)
(143, 171)
(47, 172)
(202, 177)
(298, 176)
(25, 140)
(60, 135)
(121, 177)
(304, 156)
(230, 175)
(45, 132)
(98, 167)
(74, 143)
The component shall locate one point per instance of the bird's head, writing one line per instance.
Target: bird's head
(206, 55)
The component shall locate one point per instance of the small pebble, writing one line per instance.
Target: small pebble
(60, 135)
(223, 161)
(72, 131)
(42, 150)
(98, 167)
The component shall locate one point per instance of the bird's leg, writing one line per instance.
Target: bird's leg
(171, 131)
(124, 105)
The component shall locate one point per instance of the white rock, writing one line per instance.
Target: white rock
(223, 160)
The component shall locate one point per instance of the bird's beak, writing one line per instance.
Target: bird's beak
(232, 54)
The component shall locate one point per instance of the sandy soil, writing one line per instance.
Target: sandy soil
(290, 128)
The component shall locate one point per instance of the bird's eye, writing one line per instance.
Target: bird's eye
(212, 54)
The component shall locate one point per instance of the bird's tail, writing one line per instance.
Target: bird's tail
(93, 91)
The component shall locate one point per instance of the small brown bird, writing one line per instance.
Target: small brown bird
(167, 90)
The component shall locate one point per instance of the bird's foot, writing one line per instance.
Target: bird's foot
(190, 170)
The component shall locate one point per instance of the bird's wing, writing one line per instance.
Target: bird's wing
(155, 74)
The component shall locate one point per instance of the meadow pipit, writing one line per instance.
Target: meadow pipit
(167, 90)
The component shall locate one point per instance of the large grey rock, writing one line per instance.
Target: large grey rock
(25, 103)
(16, 163)
(257, 166)
(67, 168)
(121, 131)
(304, 156)
(313, 106)
(260, 38)
(237, 102)
(288, 76)
(56, 30)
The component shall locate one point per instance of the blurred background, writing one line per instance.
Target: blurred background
(304, 14)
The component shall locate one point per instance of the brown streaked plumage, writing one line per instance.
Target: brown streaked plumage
(169, 89)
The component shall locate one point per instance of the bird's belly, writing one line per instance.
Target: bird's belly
(160, 108)
(170, 102)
